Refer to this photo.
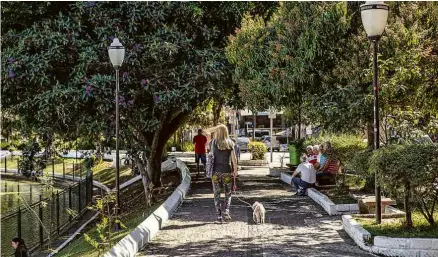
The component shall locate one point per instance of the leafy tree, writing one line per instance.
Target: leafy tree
(316, 56)
(58, 66)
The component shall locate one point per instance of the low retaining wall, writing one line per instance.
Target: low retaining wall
(321, 199)
(330, 207)
(253, 163)
(286, 178)
(144, 232)
(388, 246)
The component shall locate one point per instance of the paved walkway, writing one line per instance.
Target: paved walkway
(295, 226)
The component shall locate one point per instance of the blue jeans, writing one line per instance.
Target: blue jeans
(202, 157)
(298, 182)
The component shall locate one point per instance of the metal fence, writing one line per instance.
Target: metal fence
(49, 215)
(74, 169)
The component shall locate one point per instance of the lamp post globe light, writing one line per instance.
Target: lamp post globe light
(116, 52)
(374, 16)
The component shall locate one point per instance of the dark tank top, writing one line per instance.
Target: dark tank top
(222, 159)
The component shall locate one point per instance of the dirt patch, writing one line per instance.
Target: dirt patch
(132, 197)
(339, 196)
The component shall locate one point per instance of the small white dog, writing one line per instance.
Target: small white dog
(258, 214)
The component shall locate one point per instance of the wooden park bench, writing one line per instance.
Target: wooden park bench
(330, 180)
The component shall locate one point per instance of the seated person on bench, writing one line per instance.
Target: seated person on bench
(308, 177)
(327, 165)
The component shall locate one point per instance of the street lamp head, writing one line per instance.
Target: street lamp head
(374, 16)
(116, 52)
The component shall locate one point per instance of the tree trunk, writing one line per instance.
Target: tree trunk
(147, 185)
(407, 204)
(217, 108)
(154, 165)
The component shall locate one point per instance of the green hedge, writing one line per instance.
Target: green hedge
(409, 172)
(344, 146)
(258, 150)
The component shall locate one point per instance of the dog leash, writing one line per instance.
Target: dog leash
(242, 200)
(235, 194)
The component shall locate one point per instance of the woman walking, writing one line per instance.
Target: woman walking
(224, 170)
(20, 247)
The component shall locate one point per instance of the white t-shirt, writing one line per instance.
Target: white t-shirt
(308, 172)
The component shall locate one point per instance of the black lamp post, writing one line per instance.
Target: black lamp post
(116, 52)
(374, 16)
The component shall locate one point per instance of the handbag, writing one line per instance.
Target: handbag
(210, 161)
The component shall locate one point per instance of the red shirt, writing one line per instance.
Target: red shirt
(332, 167)
(200, 141)
(312, 159)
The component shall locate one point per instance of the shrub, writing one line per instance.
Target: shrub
(345, 146)
(188, 147)
(258, 150)
(410, 171)
(4, 145)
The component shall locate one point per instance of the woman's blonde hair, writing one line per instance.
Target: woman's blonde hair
(221, 136)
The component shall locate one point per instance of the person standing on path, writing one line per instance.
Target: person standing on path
(200, 142)
(20, 247)
(223, 173)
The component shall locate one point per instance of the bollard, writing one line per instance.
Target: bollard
(6, 164)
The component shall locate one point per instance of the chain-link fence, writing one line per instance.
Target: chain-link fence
(49, 215)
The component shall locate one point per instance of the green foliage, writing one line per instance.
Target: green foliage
(188, 147)
(106, 209)
(4, 145)
(299, 145)
(316, 55)
(345, 147)
(410, 171)
(57, 65)
(258, 150)
(397, 228)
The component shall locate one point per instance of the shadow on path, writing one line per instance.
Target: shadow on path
(295, 226)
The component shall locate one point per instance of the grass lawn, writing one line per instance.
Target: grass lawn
(10, 163)
(396, 227)
(133, 213)
(103, 172)
(80, 247)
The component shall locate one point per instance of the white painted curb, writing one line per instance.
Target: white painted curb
(388, 246)
(321, 199)
(144, 233)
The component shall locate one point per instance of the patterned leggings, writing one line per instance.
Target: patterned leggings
(222, 180)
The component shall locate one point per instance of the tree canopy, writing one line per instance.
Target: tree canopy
(316, 55)
(57, 74)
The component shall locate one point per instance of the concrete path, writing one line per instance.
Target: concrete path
(295, 226)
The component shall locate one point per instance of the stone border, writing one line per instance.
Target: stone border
(330, 207)
(321, 199)
(388, 246)
(145, 232)
(253, 163)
